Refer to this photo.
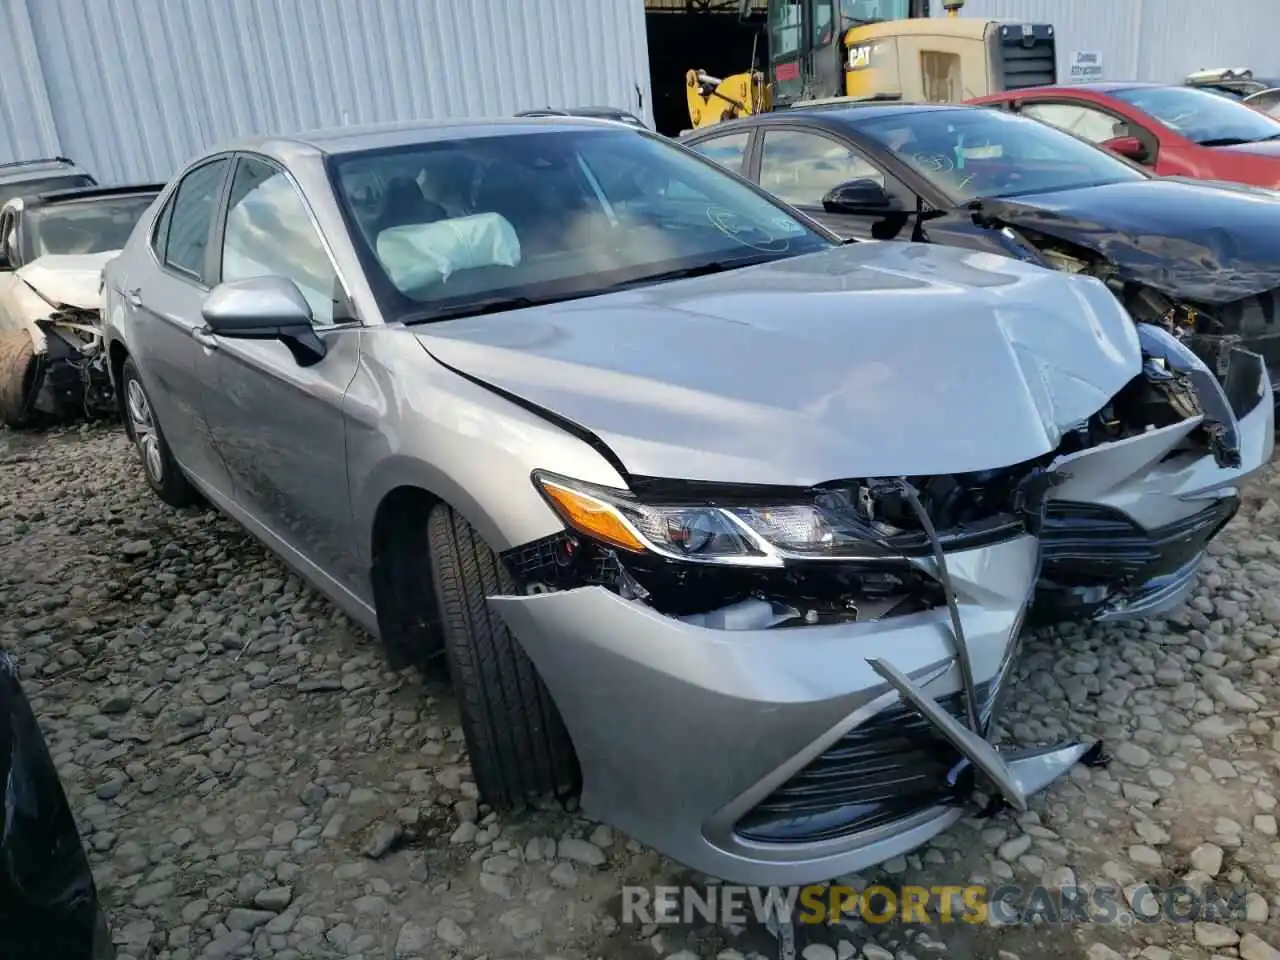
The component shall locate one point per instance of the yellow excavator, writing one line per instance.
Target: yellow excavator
(875, 50)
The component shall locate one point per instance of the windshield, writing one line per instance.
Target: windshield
(457, 225)
(29, 188)
(981, 152)
(1202, 117)
(1267, 102)
(866, 11)
(85, 226)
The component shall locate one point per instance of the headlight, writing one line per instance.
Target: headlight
(755, 535)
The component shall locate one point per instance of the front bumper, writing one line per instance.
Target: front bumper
(1127, 528)
(742, 753)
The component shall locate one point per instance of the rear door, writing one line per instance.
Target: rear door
(1093, 122)
(162, 292)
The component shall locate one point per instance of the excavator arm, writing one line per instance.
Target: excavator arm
(712, 99)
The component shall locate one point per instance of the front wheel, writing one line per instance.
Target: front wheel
(520, 749)
(19, 378)
(163, 474)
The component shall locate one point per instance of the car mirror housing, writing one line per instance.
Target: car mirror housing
(859, 196)
(264, 308)
(1129, 147)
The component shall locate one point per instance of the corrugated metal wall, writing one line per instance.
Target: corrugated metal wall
(27, 129)
(1161, 40)
(132, 88)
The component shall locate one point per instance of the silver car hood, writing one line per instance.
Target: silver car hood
(876, 359)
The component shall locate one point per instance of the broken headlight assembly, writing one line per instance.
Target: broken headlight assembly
(831, 525)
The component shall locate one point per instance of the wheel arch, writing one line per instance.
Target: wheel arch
(397, 498)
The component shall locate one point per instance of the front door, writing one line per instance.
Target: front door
(802, 166)
(279, 425)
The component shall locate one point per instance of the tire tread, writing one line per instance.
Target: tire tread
(520, 749)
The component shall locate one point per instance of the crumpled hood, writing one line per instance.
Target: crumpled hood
(68, 280)
(1192, 240)
(876, 359)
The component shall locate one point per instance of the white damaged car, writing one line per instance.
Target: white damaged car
(53, 247)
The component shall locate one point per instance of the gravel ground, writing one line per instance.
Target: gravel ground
(251, 781)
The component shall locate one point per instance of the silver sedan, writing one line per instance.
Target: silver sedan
(729, 525)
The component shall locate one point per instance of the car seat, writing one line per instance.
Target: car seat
(403, 205)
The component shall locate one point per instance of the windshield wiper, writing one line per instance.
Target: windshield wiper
(1228, 141)
(701, 270)
(476, 308)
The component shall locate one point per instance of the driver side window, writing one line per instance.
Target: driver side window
(269, 232)
(1087, 123)
(801, 167)
(729, 150)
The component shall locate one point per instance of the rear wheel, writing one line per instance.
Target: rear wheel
(163, 474)
(520, 749)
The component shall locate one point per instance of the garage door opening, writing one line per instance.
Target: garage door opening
(689, 35)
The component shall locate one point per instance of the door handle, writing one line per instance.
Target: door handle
(205, 339)
(134, 296)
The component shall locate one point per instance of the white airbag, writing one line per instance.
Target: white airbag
(425, 253)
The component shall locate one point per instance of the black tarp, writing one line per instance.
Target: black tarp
(48, 900)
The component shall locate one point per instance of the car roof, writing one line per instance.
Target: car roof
(342, 140)
(80, 194)
(575, 112)
(827, 114)
(18, 170)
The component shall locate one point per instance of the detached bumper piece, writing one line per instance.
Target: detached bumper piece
(890, 768)
(1014, 777)
(906, 760)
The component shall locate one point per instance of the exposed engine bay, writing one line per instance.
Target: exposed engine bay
(906, 523)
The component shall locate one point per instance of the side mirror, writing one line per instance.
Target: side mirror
(1130, 147)
(859, 196)
(264, 308)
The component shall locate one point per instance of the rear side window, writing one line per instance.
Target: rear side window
(1096, 126)
(729, 151)
(182, 233)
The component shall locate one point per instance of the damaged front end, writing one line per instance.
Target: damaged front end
(1210, 291)
(803, 682)
(53, 357)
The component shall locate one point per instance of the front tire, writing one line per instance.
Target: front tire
(163, 474)
(520, 749)
(19, 378)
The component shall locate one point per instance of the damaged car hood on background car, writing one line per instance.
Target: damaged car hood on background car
(871, 359)
(1189, 240)
(68, 280)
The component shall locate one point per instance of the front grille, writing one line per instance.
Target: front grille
(1087, 544)
(894, 765)
(1027, 60)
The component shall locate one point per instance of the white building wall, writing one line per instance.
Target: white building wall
(132, 88)
(1161, 40)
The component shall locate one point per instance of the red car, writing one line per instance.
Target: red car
(1174, 131)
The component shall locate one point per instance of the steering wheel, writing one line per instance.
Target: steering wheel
(745, 232)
